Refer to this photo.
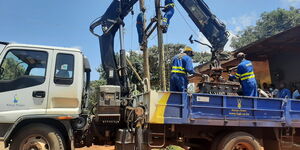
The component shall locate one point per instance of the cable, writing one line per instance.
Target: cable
(191, 28)
(151, 9)
(187, 22)
(167, 40)
(131, 36)
(154, 36)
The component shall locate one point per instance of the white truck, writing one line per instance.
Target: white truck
(43, 92)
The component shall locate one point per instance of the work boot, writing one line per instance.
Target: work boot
(164, 28)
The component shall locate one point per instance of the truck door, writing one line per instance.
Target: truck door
(24, 82)
(66, 83)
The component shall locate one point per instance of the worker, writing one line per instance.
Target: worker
(140, 27)
(273, 90)
(181, 65)
(296, 93)
(169, 12)
(246, 76)
(283, 91)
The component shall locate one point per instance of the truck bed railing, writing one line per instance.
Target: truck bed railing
(207, 109)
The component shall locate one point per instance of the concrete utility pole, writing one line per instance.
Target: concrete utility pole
(145, 46)
(162, 73)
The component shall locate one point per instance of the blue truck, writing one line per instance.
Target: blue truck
(217, 122)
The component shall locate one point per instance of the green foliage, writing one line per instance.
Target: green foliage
(170, 51)
(137, 62)
(171, 147)
(95, 86)
(269, 24)
(202, 57)
(11, 69)
(136, 58)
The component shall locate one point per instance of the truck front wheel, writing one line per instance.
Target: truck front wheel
(37, 137)
(239, 141)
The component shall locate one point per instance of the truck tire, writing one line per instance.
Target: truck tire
(38, 136)
(239, 140)
(217, 140)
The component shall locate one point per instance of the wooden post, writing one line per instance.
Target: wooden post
(162, 73)
(145, 46)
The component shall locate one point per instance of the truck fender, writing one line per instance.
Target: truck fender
(64, 126)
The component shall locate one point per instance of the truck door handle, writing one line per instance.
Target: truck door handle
(39, 94)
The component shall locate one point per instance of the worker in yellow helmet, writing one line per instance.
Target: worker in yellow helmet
(182, 65)
(245, 73)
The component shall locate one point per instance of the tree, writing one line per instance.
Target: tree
(11, 69)
(136, 58)
(269, 24)
(95, 86)
(170, 51)
(202, 57)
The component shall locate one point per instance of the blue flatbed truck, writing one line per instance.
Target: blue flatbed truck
(221, 122)
(200, 121)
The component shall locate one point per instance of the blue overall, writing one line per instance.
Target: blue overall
(247, 78)
(139, 27)
(284, 93)
(181, 65)
(169, 12)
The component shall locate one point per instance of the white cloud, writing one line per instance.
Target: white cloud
(227, 46)
(239, 23)
(234, 25)
(295, 3)
(204, 48)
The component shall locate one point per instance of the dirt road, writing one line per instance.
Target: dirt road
(90, 148)
(98, 148)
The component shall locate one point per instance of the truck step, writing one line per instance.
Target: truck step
(158, 139)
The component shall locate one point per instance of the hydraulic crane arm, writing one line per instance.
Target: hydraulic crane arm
(211, 27)
(110, 22)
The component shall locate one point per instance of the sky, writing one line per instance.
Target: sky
(65, 23)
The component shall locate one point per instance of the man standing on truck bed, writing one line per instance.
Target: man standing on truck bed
(246, 75)
(283, 91)
(181, 65)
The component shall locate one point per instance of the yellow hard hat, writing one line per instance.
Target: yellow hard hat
(187, 49)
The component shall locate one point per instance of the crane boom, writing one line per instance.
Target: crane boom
(110, 22)
(211, 27)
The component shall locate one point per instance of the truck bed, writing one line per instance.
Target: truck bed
(221, 110)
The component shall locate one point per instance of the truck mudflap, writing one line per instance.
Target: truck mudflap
(221, 110)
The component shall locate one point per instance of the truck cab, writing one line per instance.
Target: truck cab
(41, 86)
